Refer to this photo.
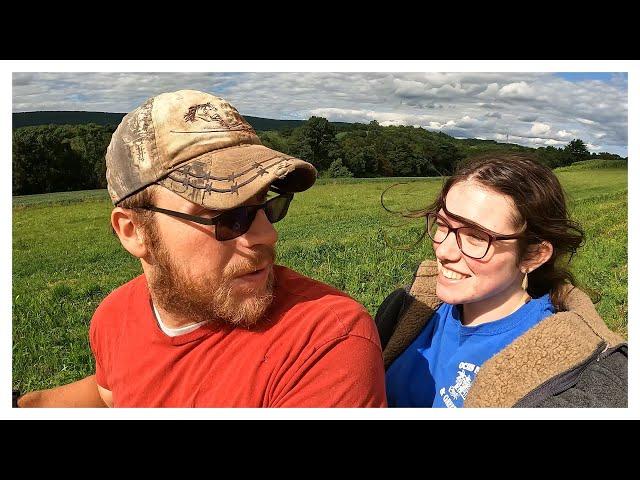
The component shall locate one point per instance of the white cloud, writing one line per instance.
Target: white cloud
(553, 142)
(566, 134)
(586, 121)
(517, 89)
(405, 88)
(391, 123)
(491, 90)
(540, 128)
(466, 122)
(343, 114)
(590, 146)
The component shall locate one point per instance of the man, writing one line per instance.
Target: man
(213, 322)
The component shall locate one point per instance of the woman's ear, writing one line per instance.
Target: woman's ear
(128, 232)
(536, 255)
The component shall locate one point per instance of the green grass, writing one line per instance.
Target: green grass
(60, 198)
(65, 259)
(593, 165)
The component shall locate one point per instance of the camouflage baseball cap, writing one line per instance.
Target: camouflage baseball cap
(198, 146)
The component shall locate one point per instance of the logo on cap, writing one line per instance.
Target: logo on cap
(204, 111)
(223, 117)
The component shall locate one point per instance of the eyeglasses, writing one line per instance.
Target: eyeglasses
(237, 221)
(474, 242)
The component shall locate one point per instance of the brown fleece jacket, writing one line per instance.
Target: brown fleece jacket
(558, 344)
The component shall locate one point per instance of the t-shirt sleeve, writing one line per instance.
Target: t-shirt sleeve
(96, 341)
(341, 370)
(347, 372)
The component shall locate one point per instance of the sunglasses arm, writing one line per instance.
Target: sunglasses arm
(184, 216)
(279, 191)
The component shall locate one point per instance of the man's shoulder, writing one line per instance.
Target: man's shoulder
(321, 305)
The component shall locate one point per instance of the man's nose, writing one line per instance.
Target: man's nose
(261, 231)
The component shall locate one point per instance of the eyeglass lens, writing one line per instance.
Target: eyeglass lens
(471, 241)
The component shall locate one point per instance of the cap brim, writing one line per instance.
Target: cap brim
(228, 177)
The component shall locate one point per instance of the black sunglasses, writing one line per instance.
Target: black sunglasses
(232, 223)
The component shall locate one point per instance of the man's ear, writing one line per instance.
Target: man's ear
(128, 232)
(536, 255)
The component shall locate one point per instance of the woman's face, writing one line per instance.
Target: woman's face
(495, 278)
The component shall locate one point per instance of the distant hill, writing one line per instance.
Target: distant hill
(468, 146)
(24, 119)
(474, 146)
(594, 164)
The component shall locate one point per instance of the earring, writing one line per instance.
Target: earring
(525, 280)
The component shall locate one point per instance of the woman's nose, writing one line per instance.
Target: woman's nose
(448, 249)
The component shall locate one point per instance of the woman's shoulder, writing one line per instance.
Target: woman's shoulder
(405, 311)
(396, 303)
(392, 304)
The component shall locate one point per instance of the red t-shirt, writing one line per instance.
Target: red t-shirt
(317, 348)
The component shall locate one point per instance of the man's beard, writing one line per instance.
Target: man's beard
(209, 298)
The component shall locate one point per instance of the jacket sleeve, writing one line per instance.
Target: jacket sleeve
(602, 384)
(388, 314)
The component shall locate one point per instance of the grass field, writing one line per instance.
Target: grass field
(65, 259)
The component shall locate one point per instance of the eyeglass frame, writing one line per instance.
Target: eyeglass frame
(493, 236)
(214, 220)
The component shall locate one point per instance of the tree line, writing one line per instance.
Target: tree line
(56, 158)
(53, 158)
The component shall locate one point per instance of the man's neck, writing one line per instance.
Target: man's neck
(171, 320)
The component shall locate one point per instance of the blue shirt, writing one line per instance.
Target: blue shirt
(440, 365)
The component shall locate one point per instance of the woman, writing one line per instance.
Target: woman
(494, 321)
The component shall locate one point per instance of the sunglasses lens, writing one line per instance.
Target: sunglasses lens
(277, 208)
(234, 223)
(237, 222)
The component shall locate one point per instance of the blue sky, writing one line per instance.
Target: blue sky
(531, 109)
(581, 76)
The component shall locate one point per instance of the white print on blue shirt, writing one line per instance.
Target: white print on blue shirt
(461, 386)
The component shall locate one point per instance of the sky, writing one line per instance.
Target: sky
(530, 109)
